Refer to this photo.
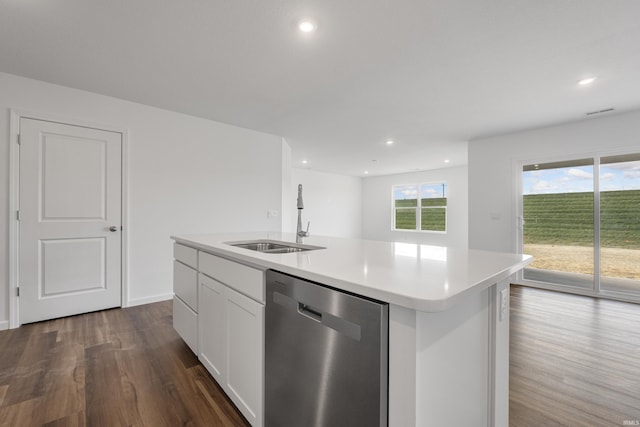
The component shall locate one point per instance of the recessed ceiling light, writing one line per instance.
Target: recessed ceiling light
(389, 142)
(587, 81)
(366, 172)
(304, 162)
(447, 160)
(307, 25)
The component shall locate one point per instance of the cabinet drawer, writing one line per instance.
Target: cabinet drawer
(185, 284)
(246, 280)
(185, 322)
(186, 255)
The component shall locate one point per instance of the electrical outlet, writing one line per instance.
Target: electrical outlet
(504, 303)
(272, 213)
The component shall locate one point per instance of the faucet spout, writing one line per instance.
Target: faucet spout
(300, 233)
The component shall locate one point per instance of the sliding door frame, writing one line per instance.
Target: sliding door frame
(595, 290)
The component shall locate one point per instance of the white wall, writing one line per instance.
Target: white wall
(287, 212)
(378, 213)
(333, 203)
(186, 175)
(494, 172)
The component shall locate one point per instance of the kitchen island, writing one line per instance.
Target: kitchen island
(448, 316)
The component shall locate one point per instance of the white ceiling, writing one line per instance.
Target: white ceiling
(431, 74)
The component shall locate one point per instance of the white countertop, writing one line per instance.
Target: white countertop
(420, 277)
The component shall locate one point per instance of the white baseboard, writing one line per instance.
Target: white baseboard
(149, 300)
(4, 324)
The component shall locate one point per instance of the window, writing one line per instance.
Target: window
(582, 223)
(405, 207)
(421, 207)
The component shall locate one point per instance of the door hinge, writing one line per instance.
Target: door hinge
(19, 141)
(18, 215)
(18, 291)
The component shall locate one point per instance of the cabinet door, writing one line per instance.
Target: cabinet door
(212, 327)
(245, 355)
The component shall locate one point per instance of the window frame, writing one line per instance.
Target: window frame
(418, 208)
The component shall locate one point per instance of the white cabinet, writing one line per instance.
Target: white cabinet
(231, 331)
(218, 310)
(186, 255)
(185, 289)
(185, 322)
(185, 284)
(246, 280)
(245, 355)
(213, 327)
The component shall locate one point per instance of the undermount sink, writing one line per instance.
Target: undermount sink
(273, 246)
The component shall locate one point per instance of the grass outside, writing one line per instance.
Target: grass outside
(567, 219)
(432, 218)
(559, 232)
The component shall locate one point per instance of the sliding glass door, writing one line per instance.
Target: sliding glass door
(620, 224)
(558, 222)
(581, 222)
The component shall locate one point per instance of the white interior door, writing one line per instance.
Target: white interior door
(69, 220)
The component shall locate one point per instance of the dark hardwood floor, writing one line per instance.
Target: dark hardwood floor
(575, 361)
(120, 367)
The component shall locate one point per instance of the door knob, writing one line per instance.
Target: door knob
(113, 228)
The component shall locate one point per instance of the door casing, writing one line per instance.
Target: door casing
(14, 195)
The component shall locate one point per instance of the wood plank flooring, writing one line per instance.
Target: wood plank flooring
(575, 361)
(120, 367)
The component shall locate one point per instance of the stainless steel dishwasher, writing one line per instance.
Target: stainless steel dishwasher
(326, 356)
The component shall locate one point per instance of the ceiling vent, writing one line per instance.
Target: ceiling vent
(593, 113)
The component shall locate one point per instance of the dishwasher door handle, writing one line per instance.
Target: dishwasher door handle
(343, 326)
(310, 312)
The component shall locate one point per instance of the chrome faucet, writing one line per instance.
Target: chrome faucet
(299, 232)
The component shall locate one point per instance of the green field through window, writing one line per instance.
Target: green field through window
(432, 208)
(567, 219)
